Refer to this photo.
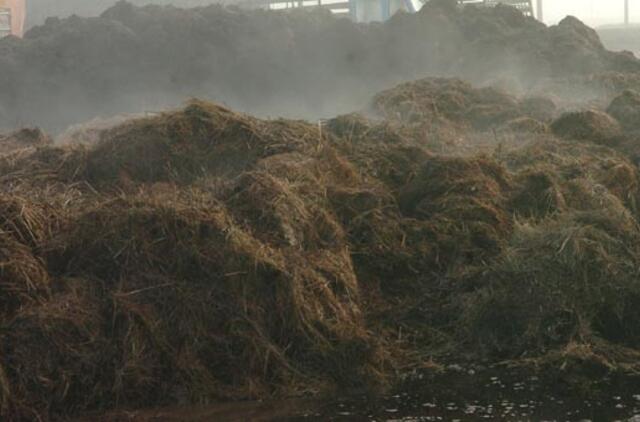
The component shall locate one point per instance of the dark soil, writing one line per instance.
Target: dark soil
(299, 64)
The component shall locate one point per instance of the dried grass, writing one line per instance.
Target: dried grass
(252, 258)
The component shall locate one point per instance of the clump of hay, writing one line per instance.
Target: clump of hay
(56, 355)
(590, 125)
(46, 169)
(429, 100)
(382, 151)
(23, 276)
(441, 101)
(23, 138)
(464, 199)
(26, 220)
(528, 303)
(538, 194)
(542, 109)
(626, 109)
(525, 125)
(181, 146)
(564, 161)
(227, 315)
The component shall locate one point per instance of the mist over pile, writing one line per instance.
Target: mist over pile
(202, 254)
(39, 10)
(297, 64)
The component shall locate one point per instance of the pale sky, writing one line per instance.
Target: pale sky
(593, 12)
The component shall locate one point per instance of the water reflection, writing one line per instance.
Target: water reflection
(458, 394)
(467, 395)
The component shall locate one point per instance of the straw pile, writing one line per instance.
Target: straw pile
(202, 254)
(626, 109)
(568, 273)
(440, 101)
(589, 125)
(23, 138)
(212, 269)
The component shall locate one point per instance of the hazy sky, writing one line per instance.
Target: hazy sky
(594, 12)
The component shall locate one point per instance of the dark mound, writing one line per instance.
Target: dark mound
(304, 63)
(626, 109)
(589, 125)
(443, 101)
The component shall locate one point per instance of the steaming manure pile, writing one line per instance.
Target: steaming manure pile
(204, 255)
(300, 63)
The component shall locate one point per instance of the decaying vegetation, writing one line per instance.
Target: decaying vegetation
(303, 64)
(246, 257)
(203, 254)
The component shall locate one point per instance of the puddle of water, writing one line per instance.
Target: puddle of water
(470, 395)
(458, 395)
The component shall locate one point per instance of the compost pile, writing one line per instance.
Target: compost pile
(202, 254)
(39, 10)
(23, 138)
(457, 103)
(300, 64)
(212, 268)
